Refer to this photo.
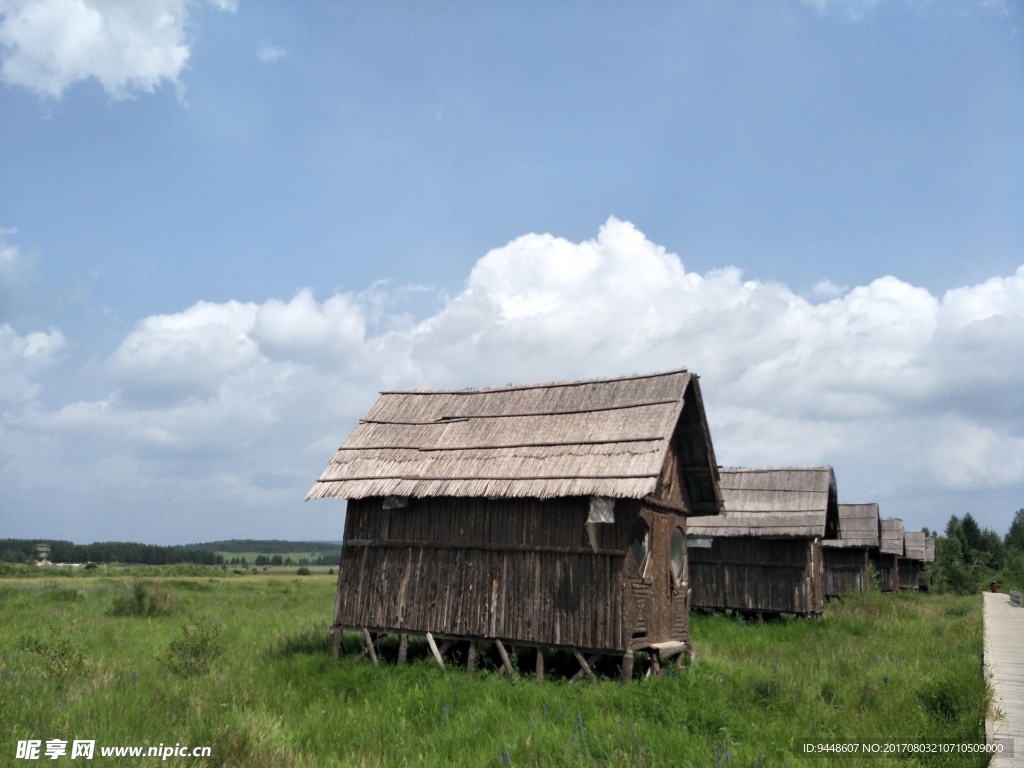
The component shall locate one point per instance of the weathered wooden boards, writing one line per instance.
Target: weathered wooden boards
(756, 575)
(1004, 667)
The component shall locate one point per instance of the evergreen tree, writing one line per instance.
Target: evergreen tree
(951, 571)
(1015, 536)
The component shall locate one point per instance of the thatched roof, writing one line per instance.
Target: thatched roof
(858, 526)
(929, 549)
(782, 502)
(914, 545)
(891, 536)
(606, 437)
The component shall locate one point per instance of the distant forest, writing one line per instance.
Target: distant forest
(268, 552)
(269, 546)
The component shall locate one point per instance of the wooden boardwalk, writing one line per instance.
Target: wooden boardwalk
(1004, 666)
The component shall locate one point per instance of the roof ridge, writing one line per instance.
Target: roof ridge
(542, 385)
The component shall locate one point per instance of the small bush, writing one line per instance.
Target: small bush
(62, 657)
(303, 571)
(194, 652)
(58, 594)
(145, 598)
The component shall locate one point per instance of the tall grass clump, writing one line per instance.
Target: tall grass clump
(193, 652)
(143, 598)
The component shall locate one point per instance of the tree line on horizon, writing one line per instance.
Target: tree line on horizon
(24, 550)
(269, 552)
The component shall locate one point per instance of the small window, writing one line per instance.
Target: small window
(678, 552)
(640, 545)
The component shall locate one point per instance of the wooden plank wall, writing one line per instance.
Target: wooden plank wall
(887, 567)
(747, 573)
(846, 570)
(516, 569)
(910, 573)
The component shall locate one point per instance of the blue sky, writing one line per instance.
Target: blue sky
(225, 226)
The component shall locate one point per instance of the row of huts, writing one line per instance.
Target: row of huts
(588, 516)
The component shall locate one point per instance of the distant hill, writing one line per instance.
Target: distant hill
(249, 552)
(268, 546)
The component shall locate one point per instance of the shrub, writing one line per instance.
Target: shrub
(303, 571)
(192, 654)
(144, 598)
(62, 657)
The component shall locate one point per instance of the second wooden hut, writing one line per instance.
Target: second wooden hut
(763, 554)
(847, 557)
(890, 550)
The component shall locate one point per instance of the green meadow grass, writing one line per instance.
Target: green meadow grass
(242, 664)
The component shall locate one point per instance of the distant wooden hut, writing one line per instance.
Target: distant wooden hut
(847, 557)
(890, 550)
(544, 516)
(911, 564)
(763, 553)
(925, 581)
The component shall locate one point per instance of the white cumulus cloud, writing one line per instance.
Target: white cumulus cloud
(237, 405)
(128, 46)
(22, 358)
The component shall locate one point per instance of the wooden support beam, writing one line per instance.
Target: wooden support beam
(505, 661)
(655, 661)
(433, 649)
(446, 645)
(584, 667)
(369, 646)
(471, 658)
(538, 671)
(336, 642)
(627, 667)
(403, 647)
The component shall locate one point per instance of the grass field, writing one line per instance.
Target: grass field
(241, 664)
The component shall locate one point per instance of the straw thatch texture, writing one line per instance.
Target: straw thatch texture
(783, 502)
(891, 536)
(858, 527)
(915, 545)
(605, 437)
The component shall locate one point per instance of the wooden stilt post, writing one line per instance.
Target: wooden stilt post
(471, 658)
(584, 667)
(403, 647)
(336, 642)
(505, 662)
(539, 668)
(369, 646)
(627, 667)
(433, 649)
(655, 662)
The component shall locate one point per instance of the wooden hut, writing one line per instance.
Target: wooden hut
(911, 564)
(890, 550)
(763, 553)
(544, 516)
(925, 581)
(846, 558)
